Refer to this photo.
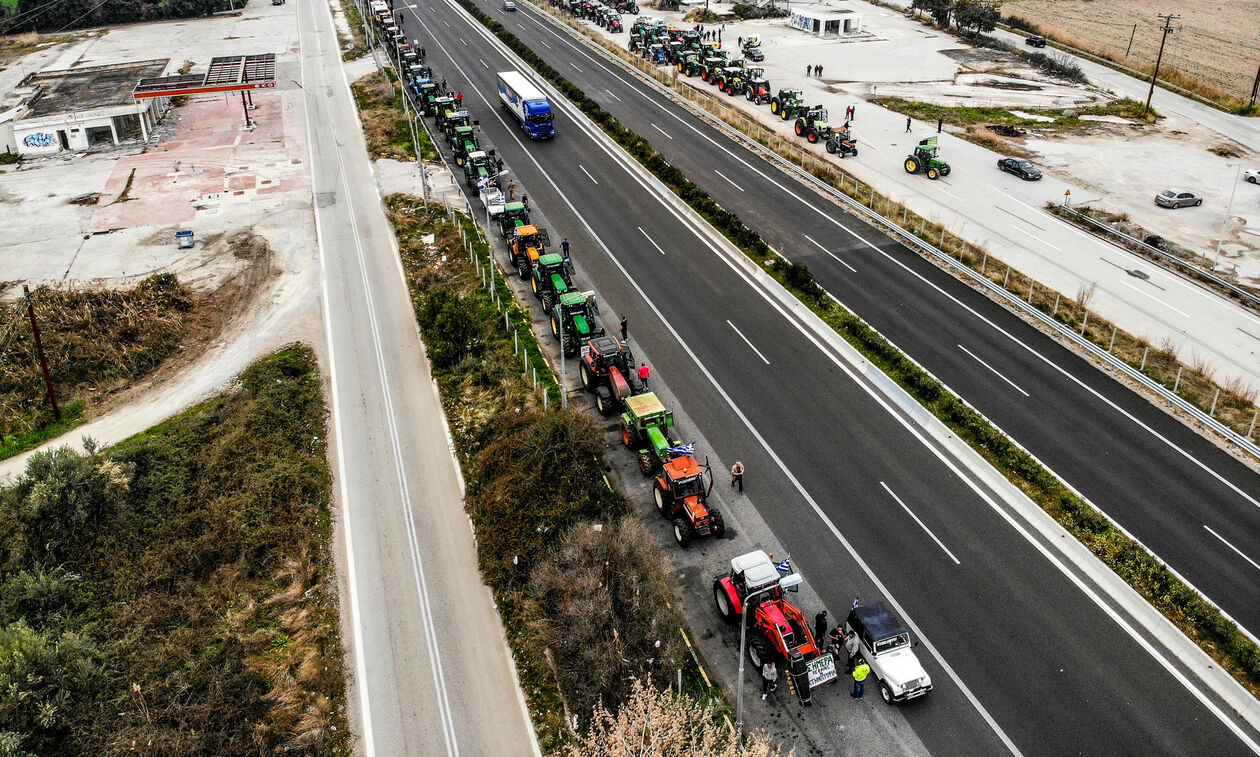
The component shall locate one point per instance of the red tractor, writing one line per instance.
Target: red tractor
(776, 630)
(607, 369)
(682, 496)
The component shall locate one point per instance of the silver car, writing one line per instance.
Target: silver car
(1175, 198)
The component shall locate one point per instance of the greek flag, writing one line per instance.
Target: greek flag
(684, 449)
(856, 601)
(785, 566)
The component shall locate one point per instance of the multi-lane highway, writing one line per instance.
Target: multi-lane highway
(1026, 661)
(431, 674)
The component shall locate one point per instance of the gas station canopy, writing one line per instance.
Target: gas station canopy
(235, 73)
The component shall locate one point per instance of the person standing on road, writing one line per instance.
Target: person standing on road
(907, 124)
(737, 475)
(940, 121)
(459, 99)
(525, 201)
(820, 72)
(644, 372)
(564, 246)
(835, 641)
(851, 649)
(623, 328)
(859, 679)
(511, 189)
(820, 627)
(809, 70)
(769, 678)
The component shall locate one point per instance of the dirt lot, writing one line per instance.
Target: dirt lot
(1218, 42)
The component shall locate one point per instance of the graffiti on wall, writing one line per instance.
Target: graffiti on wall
(39, 140)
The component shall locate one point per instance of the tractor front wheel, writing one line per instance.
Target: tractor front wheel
(719, 525)
(555, 327)
(646, 465)
(783, 113)
(547, 301)
(758, 652)
(945, 169)
(748, 94)
(774, 107)
(683, 532)
(912, 164)
(932, 173)
(831, 147)
(533, 285)
(522, 267)
(812, 136)
(799, 129)
(626, 437)
(723, 602)
(587, 378)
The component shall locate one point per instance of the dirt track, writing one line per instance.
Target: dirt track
(1219, 42)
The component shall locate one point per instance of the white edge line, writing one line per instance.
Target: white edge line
(910, 512)
(993, 370)
(750, 344)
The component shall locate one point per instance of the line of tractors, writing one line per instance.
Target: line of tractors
(682, 486)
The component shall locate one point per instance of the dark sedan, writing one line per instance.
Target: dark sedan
(1035, 41)
(1021, 168)
(754, 54)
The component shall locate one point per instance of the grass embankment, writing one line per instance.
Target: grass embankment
(1199, 620)
(354, 45)
(97, 343)
(1063, 118)
(583, 608)
(384, 120)
(175, 594)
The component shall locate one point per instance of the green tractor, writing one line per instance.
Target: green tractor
(514, 214)
(426, 93)
(480, 165)
(787, 104)
(924, 160)
(454, 120)
(553, 276)
(711, 67)
(463, 143)
(688, 62)
(573, 321)
(812, 125)
(438, 106)
(731, 80)
(645, 429)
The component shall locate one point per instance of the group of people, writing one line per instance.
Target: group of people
(841, 644)
(814, 70)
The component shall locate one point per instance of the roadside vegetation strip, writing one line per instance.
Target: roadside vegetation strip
(177, 590)
(1234, 406)
(97, 343)
(356, 45)
(1202, 622)
(1063, 118)
(385, 122)
(579, 583)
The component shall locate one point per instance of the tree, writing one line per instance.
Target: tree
(940, 10)
(450, 329)
(977, 15)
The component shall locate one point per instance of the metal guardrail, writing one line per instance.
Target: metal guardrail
(1168, 256)
(913, 241)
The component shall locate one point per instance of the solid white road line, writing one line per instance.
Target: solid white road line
(650, 239)
(994, 370)
(750, 344)
(1153, 297)
(654, 126)
(910, 512)
(728, 181)
(1254, 564)
(829, 252)
(588, 173)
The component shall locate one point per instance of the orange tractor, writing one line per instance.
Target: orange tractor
(682, 495)
(777, 630)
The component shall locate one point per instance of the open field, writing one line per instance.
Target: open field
(1217, 43)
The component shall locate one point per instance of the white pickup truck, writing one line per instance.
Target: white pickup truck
(885, 645)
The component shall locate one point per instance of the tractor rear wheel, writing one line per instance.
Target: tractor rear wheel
(799, 128)
(533, 284)
(831, 147)
(555, 327)
(812, 136)
(912, 164)
(758, 652)
(522, 267)
(683, 532)
(603, 401)
(748, 94)
(932, 173)
(719, 525)
(658, 494)
(547, 301)
(646, 466)
(723, 602)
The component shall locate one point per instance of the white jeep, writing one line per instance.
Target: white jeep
(885, 645)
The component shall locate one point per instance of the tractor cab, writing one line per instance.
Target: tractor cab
(841, 142)
(813, 124)
(552, 277)
(425, 91)
(691, 39)
(681, 494)
(454, 120)
(711, 67)
(420, 73)
(439, 105)
(614, 23)
(463, 143)
(514, 214)
(636, 41)
(656, 53)
(573, 321)
(479, 165)
(529, 243)
(607, 369)
(730, 80)
(757, 86)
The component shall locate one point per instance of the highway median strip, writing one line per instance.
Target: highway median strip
(1200, 621)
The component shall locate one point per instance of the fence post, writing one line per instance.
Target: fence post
(1007, 278)
(514, 342)
(1177, 383)
(1145, 350)
(1031, 286)
(1056, 303)
(1252, 430)
(1084, 322)
(1216, 397)
(984, 262)
(1114, 329)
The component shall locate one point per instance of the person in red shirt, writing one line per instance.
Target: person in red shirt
(644, 372)
(459, 99)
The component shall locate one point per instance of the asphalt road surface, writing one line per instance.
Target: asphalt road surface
(431, 671)
(1024, 661)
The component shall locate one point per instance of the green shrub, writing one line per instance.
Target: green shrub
(450, 327)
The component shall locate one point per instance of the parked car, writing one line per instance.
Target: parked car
(885, 645)
(1175, 198)
(1035, 40)
(1252, 175)
(508, 5)
(754, 54)
(1020, 167)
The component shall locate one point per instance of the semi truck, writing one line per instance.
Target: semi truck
(527, 104)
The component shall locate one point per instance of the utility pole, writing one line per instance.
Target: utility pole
(1255, 88)
(1132, 34)
(1166, 29)
(39, 349)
